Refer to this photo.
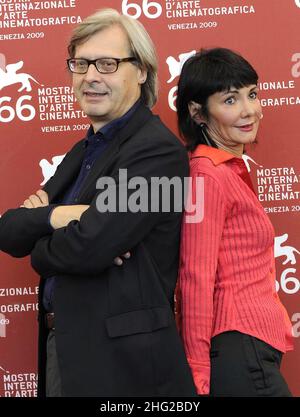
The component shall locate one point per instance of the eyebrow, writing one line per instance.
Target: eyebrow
(236, 91)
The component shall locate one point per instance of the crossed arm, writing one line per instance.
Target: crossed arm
(98, 238)
(61, 216)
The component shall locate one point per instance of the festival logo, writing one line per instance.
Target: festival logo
(175, 67)
(274, 185)
(203, 15)
(286, 250)
(9, 75)
(247, 159)
(48, 168)
(19, 384)
(27, 19)
(288, 282)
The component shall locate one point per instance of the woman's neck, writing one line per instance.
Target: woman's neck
(236, 151)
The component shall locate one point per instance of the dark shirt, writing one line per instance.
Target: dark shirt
(95, 145)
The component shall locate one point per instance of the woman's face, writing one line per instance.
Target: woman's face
(234, 116)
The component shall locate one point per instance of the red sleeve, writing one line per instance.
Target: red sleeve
(198, 267)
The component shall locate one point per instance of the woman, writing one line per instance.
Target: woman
(234, 326)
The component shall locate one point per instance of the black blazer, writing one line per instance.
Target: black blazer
(114, 326)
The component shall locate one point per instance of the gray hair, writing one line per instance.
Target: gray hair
(140, 43)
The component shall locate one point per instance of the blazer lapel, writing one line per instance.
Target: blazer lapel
(69, 168)
(138, 120)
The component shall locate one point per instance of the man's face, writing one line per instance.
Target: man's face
(106, 97)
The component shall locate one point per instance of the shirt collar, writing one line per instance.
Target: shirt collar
(217, 156)
(108, 131)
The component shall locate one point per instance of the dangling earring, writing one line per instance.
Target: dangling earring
(261, 116)
(203, 130)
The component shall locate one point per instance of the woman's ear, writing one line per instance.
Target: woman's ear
(195, 112)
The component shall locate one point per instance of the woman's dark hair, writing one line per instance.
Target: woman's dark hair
(208, 72)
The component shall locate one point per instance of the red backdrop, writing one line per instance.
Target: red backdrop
(39, 121)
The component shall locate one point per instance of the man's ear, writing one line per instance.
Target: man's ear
(195, 110)
(142, 76)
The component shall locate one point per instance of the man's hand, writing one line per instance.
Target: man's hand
(61, 216)
(39, 199)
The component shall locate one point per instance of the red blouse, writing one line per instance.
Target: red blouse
(227, 267)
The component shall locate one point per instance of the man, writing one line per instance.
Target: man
(110, 331)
